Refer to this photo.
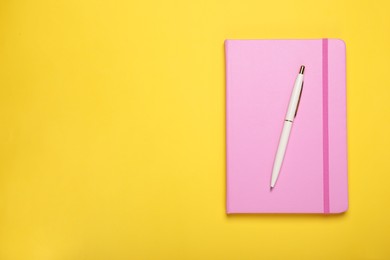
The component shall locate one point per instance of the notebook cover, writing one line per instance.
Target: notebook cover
(259, 78)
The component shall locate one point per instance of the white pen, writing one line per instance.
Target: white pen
(289, 119)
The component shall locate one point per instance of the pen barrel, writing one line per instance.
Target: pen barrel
(294, 99)
(283, 141)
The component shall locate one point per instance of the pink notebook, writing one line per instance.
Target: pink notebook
(259, 78)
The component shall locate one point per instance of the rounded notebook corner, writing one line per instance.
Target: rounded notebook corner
(341, 42)
(341, 210)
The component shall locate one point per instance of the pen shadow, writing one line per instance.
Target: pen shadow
(236, 216)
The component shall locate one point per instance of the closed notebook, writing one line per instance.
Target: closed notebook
(260, 75)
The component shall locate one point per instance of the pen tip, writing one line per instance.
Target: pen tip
(302, 69)
(271, 188)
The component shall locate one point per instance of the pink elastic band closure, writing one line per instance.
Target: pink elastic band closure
(325, 124)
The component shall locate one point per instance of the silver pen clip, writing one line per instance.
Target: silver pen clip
(299, 101)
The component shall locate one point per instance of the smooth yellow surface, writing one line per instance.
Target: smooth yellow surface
(112, 140)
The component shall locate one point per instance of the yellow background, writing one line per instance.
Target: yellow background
(112, 141)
